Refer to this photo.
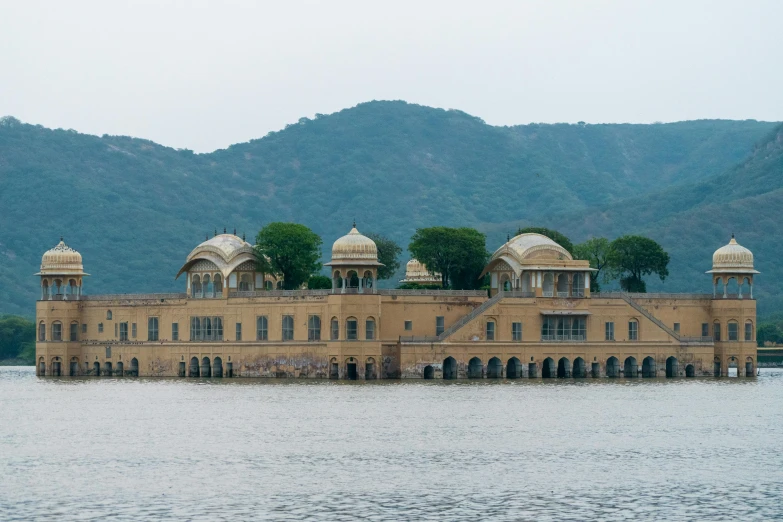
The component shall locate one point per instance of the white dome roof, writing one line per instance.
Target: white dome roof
(525, 246)
(61, 260)
(732, 258)
(225, 251)
(354, 246)
(416, 272)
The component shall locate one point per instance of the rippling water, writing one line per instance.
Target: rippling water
(130, 449)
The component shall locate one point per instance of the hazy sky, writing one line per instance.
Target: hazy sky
(203, 75)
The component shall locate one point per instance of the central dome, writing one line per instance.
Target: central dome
(732, 258)
(354, 246)
(62, 259)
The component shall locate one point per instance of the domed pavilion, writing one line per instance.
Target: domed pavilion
(354, 263)
(732, 267)
(61, 273)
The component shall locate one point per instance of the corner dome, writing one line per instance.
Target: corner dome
(355, 247)
(61, 260)
(732, 258)
(416, 272)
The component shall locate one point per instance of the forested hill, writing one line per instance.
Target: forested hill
(135, 209)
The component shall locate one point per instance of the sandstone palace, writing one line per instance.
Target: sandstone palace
(538, 321)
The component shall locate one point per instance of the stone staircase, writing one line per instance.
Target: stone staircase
(627, 298)
(472, 315)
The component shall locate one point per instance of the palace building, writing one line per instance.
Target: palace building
(539, 320)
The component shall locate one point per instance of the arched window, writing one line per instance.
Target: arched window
(268, 285)
(41, 331)
(716, 331)
(314, 328)
(58, 288)
(74, 332)
(353, 279)
(45, 290)
(748, 330)
(368, 281)
(335, 329)
(108, 315)
(288, 327)
(218, 282)
(262, 328)
(733, 331)
(633, 330)
(549, 285)
(369, 329)
(506, 285)
(351, 329)
(244, 282)
(196, 286)
(207, 285)
(72, 288)
(279, 285)
(57, 331)
(490, 330)
(562, 285)
(578, 285)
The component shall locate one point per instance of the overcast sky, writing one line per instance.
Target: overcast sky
(204, 75)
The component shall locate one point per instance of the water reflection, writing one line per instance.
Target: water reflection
(204, 449)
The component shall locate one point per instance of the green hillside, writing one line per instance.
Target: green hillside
(135, 209)
(692, 220)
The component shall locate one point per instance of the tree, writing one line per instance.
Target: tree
(632, 257)
(554, 235)
(769, 333)
(319, 282)
(458, 254)
(289, 250)
(595, 250)
(388, 254)
(17, 338)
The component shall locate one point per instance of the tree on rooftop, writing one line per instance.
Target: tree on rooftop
(458, 254)
(595, 250)
(632, 257)
(288, 250)
(388, 254)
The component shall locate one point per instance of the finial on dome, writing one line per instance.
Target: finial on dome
(508, 237)
(207, 238)
(243, 236)
(354, 223)
(61, 239)
(224, 230)
(235, 231)
(215, 233)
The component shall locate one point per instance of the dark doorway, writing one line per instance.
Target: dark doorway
(613, 367)
(548, 370)
(716, 369)
(194, 367)
(475, 369)
(181, 371)
(230, 369)
(494, 368)
(532, 370)
(107, 369)
(749, 369)
(563, 368)
(595, 371)
(690, 371)
(429, 372)
(450, 368)
(369, 369)
(134, 367)
(206, 367)
(352, 374)
(649, 368)
(42, 368)
(334, 371)
(579, 368)
(631, 368)
(512, 368)
(217, 370)
(672, 367)
(74, 368)
(56, 369)
(120, 369)
(96, 368)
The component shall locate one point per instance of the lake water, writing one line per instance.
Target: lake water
(131, 449)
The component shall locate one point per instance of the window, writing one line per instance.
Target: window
(705, 329)
(74, 332)
(314, 328)
(578, 329)
(716, 331)
(563, 328)
(175, 331)
(152, 329)
(676, 327)
(440, 324)
(369, 329)
(262, 329)
(195, 329)
(409, 325)
(288, 327)
(244, 283)
(41, 331)
(490, 330)
(610, 330)
(133, 330)
(108, 315)
(100, 327)
(516, 331)
(548, 328)
(239, 331)
(124, 331)
(633, 330)
(57, 331)
(748, 331)
(335, 329)
(733, 331)
(84, 328)
(206, 328)
(108, 352)
(218, 329)
(116, 330)
(352, 329)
